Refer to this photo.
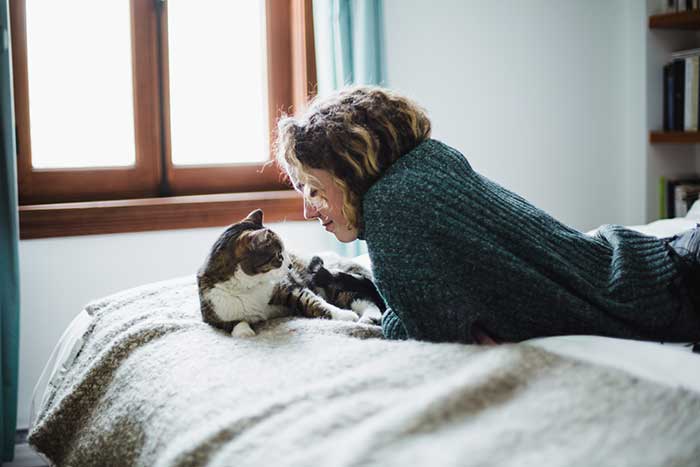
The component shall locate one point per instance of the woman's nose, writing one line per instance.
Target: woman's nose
(310, 211)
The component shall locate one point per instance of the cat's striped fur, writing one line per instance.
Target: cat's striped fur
(248, 277)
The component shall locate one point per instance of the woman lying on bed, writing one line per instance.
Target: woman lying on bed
(458, 257)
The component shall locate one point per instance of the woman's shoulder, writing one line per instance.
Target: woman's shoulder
(427, 154)
(419, 171)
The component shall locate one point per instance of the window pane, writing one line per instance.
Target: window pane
(218, 81)
(80, 86)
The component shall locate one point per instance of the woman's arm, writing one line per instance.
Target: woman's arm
(392, 327)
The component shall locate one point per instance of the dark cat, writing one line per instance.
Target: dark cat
(345, 285)
(249, 277)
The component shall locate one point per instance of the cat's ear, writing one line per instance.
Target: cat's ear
(315, 264)
(320, 276)
(256, 217)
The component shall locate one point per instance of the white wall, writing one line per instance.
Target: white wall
(545, 97)
(58, 276)
(633, 105)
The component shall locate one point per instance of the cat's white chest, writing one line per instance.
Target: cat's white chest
(245, 298)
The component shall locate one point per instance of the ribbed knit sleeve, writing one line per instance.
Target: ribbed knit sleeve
(392, 327)
(451, 249)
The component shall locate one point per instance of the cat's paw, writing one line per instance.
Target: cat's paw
(344, 315)
(369, 313)
(371, 317)
(242, 329)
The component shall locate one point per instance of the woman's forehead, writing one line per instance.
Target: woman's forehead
(312, 179)
(319, 176)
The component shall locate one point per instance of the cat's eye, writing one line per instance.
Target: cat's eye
(313, 193)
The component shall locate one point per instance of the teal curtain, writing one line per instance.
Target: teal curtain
(9, 241)
(349, 42)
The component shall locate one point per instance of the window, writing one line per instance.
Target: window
(154, 100)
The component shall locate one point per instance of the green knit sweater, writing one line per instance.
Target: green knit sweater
(450, 248)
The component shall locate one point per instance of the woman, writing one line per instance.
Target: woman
(459, 258)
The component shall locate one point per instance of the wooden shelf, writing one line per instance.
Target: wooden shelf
(674, 137)
(682, 20)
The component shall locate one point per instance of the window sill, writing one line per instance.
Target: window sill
(140, 215)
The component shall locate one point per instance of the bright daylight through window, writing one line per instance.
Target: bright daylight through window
(218, 82)
(80, 96)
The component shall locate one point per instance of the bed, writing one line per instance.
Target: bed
(138, 379)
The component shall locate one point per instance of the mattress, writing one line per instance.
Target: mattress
(670, 364)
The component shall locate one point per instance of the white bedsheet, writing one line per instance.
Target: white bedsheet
(61, 357)
(674, 365)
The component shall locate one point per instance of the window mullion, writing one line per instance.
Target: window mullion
(164, 188)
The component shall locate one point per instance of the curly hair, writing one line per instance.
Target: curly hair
(354, 134)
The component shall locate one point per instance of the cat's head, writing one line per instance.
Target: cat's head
(248, 246)
(324, 275)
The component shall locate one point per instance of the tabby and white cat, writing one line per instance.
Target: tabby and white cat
(248, 277)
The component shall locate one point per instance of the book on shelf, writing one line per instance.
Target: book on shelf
(674, 6)
(668, 97)
(678, 90)
(679, 195)
(690, 104)
(681, 92)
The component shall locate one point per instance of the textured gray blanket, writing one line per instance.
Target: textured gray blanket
(154, 386)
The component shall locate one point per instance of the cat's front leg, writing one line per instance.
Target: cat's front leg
(302, 301)
(342, 315)
(242, 329)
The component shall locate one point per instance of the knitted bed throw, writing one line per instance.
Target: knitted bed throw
(154, 386)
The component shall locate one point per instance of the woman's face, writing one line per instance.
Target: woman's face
(330, 214)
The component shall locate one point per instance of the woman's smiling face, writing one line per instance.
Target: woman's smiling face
(325, 202)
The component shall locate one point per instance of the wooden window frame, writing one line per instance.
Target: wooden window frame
(154, 194)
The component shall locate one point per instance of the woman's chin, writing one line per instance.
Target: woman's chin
(342, 234)
(346, 236)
